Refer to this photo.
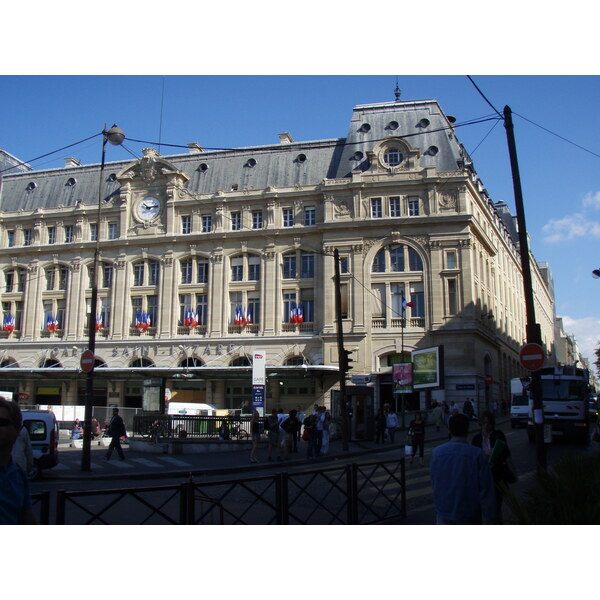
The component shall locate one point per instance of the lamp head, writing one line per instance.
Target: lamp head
(115, 135)
(596, 273)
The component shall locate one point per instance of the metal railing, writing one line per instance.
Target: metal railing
(192, 426)
(346, 495)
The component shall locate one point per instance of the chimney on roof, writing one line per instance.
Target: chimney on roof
(195, 148)
(71, 162)
(285, 138)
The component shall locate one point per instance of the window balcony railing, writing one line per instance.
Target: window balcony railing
(412, 322)
(150, 332)
(253, 328)
(8, 334)
(198, 330)
(306, 327)
(47, 334)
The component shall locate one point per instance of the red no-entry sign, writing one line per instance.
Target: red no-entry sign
(87, 361)
(532, 357)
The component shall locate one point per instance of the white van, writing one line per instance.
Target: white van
(191, 408)
(43, 433)
(519, 403)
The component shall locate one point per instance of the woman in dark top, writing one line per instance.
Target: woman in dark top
(255, 434)
(379, 426)
(487, 439)
(416, 430)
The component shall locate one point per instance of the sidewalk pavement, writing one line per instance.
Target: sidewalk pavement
(144, 465)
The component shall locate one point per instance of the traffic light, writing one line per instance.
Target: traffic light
(345, 361)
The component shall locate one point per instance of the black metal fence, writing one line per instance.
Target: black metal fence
(192, 426)
(346, 495)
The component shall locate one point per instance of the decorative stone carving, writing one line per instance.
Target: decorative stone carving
(448, 200)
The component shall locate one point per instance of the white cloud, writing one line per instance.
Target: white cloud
(592, 201)
(575, 225)
(586, 332)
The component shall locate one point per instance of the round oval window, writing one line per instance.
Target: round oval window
(393, 157)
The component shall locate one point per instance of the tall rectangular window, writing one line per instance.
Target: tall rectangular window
(257, 219)
(94, 232)
(105, 312)
(310, 216)
(202, 308)
(413, 206)
(395, 206)
(307, 270)
(107, 276)
(63, 278)
(237, 268)
(253, 268)
(27, 236)
(138, 274)
(289, 298)
(289, 266)
(152, 309)
(202, 270)
(186, 224)
(451, 259)
(307, 300)
(154, 272)
(50, 278)
(52, 235)
(253, 308)
(452, 297)
(378, 300)
(288, 217)
(113, 231)
(185, 301)
(68, 234)
(344, 264)
(397, 258)
(206, 223)
(186, 271)
(417, 297)
(376, 208)
(136, 306)
(11, 238)
(397, 291)
(236, 221)
(9, 279)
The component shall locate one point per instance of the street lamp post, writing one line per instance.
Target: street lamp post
(114, 136)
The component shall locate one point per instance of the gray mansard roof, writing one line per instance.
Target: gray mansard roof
(421, 124)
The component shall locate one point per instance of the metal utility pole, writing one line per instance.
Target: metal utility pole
(534, 334)
(342, 354)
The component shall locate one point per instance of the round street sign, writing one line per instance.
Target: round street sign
(532, 357)
(87, 361)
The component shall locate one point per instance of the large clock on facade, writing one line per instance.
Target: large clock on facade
(148, 208)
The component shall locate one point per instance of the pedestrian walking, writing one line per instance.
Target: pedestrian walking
(493, 443)
(416, 430)
(437, 416)
(380, 426)
(326, 428)
(461, 479)
(320, 420)
(15, 496)
(287, 430)
(22, 453)
(298, 435)
(309, 435)
(116, 430)
(273, 435)
(391, 423)
(254, 435)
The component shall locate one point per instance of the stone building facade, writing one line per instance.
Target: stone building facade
(241, 241)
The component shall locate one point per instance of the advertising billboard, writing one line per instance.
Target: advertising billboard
(428, 368)
(402, 377)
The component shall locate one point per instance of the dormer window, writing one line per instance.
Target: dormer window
(393, 157)
(71, 182)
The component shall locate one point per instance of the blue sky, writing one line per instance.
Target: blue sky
(561, 187)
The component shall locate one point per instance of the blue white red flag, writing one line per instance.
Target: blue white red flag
(99, 322)
(138, 319)
(9, 323)
(299, 314)
(293, 313)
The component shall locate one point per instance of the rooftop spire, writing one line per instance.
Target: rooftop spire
(397, 91)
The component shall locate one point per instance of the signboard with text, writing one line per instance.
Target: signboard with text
(258, 381)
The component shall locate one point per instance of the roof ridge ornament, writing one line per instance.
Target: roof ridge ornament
(397, 91)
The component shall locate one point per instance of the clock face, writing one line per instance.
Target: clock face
(148, 208)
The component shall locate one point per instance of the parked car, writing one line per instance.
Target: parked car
(43, 433)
